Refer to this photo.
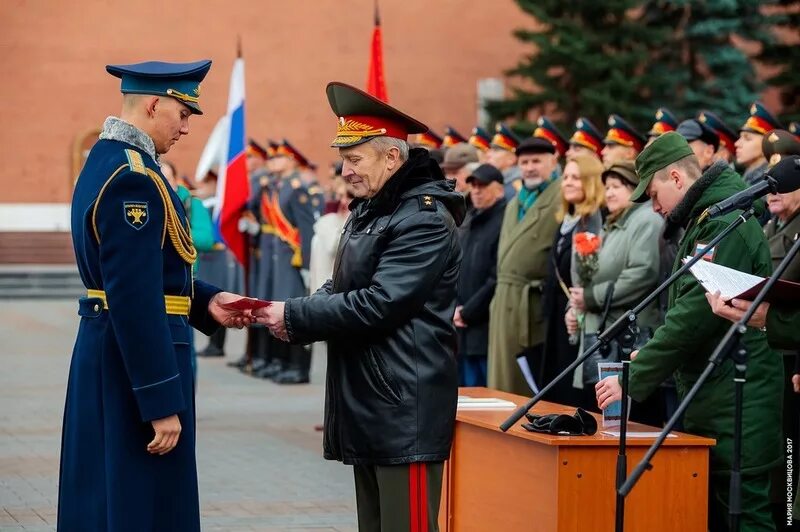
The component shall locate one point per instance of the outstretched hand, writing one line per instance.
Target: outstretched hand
(229, 318)
(272, 317)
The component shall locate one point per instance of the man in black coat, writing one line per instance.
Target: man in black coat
(479, 237)
(387, 315)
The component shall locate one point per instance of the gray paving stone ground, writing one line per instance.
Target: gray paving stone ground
(259, 457)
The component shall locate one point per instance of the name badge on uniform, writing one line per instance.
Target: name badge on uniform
(136, 213)
(709, 255)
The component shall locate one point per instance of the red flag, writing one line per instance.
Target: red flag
(376, 82)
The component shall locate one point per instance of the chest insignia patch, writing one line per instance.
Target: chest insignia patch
(136, 213)
(709, 256)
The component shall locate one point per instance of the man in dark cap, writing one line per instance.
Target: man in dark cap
(671, 177)
(476, 283)
(622, 142)
(127, 456)
(516, 324)
(748, 148)
(387, 316)
(703, 141)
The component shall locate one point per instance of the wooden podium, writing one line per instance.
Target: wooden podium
(525, 481)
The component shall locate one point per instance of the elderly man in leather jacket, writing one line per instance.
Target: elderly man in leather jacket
(386, 314)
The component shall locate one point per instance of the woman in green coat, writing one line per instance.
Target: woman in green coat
(627, 270)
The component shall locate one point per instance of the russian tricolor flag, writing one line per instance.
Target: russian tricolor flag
(233, 185)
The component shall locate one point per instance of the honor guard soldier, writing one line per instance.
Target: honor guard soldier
(293, 220)
(481, 139)
(452, 137)
(748, 148)
(665, 121)
(727, 136)
(586, 139)
(128, 444)
(502, 156)
(622, 142)
(264, 351)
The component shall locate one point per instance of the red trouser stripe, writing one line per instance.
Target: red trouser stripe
(413, 496)
(423, 497)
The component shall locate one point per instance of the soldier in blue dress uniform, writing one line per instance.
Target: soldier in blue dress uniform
(293, 220)
(127, 456)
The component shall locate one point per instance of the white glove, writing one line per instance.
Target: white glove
(306, 276)
(254, 229)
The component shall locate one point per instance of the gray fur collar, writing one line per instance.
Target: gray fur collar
(681, 214)
(117, 129)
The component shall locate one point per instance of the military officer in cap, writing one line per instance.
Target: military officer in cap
(266, 355)
(452, 138)
(293, 220)
(127, 456)
(727, 136)
(665, 121)
(387, 314)
(622, 142)
(545, 129)
(502, 156)
(429, 140)
(586, 139)
(748, 148)
(516, 324)
(670, 175)
(482, 141)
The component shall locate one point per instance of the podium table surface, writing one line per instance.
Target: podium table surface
(521, 480)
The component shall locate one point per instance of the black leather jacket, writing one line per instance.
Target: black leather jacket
(387, 316)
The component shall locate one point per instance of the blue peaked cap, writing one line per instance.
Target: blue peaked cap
(178, 80)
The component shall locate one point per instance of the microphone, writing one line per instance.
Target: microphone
(784, 177)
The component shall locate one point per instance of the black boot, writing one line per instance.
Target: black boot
(216, 343)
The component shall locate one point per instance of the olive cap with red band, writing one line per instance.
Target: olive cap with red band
(622, 133)
(760, 121)
(363, 117)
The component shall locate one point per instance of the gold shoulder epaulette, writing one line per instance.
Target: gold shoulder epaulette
(314, 189)
(135, 161)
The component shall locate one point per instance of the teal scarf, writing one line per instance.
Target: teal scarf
(527, 197)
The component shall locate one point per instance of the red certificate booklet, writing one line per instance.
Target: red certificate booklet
(246, 303)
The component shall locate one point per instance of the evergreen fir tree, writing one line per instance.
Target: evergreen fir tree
(786, 55)
(588, 59)
(708, 71)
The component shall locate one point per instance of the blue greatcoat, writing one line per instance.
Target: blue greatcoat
(130, 363)
(295, 207)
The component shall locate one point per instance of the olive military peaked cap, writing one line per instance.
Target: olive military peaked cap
(363, 117)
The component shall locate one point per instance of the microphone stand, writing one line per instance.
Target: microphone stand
(625, 322)
(733, 347)
(626, 342)
(622, 323)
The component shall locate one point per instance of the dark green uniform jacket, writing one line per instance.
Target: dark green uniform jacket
(691, 332)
